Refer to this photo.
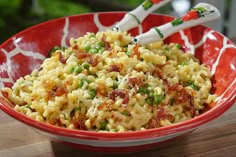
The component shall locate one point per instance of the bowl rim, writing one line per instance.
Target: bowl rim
(117, 136)
(121, 136)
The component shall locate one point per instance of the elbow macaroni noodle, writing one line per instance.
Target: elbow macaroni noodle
(104, 83)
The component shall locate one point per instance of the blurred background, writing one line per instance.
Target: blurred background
(17, 15)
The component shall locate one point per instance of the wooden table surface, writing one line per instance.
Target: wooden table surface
(214, 139)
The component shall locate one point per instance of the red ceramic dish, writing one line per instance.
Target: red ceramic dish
(23, 52)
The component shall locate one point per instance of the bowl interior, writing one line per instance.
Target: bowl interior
(26, 50)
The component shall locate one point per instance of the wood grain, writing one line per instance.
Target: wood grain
(214, 139)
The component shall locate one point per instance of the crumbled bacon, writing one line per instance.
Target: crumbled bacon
(136, 51)
(82, 55)
(136, 81)
(152, 123)
(78, 121)
(56, 121)
(107, 44)
(93, 60)
(62, 58)
(61, 91)
(158, 70)
(115, 67)
(56, 91)
(120, 93)
(75, 47)
(181, 95)
(102, 105)
(162, 115)
(106, 104)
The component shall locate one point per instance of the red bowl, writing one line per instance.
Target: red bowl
(23, 52)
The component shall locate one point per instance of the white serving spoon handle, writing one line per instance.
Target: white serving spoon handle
(136, 16)
(200, 14)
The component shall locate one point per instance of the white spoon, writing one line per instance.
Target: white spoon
(201, 13)
(136, 16)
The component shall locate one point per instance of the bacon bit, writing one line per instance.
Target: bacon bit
(106, 104)
(50, 95)
(56, 91)
(93, 60)
(116, 67)
(120, 93)
(136, 51)
(110, 54)
(75, 47)
(170, 117)
(171, 88)
(56, 122)
(102, 89)
(181, 95)
(78, 121)
(152, 124)
(161, 115)
(107, 44)
(102, 105)
(61, 91)
(92, 122)
(62, 59)
(157, 72)
(136, 81)
(82, 55)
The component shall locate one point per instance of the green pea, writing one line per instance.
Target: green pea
(103, 125)
(178, 46)
(86, 65)
(184, 63)
(87, 48)
(54, 49)
(115, 85)
(93, 51)
(149, 101)
(92, 36)
(158, 99)
(92, 93)
(78, 69)
(144, 89)
(100, 44)
(72, 69)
